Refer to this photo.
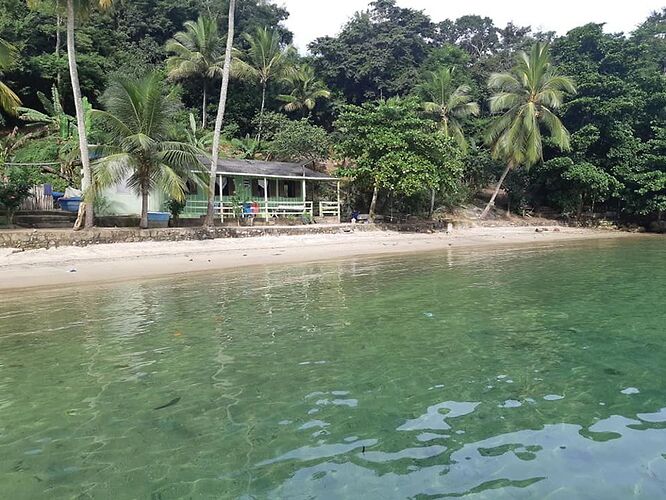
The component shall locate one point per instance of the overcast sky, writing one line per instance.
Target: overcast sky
(310, 19)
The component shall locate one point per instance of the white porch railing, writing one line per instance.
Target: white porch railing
(265, 209)
(257, 208)
(329, 209)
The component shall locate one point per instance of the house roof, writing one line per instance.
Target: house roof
(268, 169)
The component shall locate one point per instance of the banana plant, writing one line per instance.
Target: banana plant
(54, 117)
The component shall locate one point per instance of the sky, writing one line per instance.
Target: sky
(310, 19)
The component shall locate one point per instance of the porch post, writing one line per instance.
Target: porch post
(339, 208)
(266, 197)
(304, 194)
(219, 180)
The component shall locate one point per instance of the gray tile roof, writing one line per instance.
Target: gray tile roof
(273, 169)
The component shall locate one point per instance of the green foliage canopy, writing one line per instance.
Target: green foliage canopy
(391, 146)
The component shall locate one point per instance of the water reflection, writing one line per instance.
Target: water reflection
(556, 460)
(491, 375)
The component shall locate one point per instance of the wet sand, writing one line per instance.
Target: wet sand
(129, 261)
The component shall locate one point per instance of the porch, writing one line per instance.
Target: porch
(267, 190)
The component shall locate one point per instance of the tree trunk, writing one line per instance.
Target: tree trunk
(497, 188)
(86, 182)
(144, 208)
(203, 106)
(261, 111)
(220, 117)
(373, 203)
(432, 203)
(57, 53)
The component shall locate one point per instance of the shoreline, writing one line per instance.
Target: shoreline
(118, 262)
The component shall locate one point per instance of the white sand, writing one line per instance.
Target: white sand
(126, 261)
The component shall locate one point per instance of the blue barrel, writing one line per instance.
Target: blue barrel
(70, 204)
(158, 219)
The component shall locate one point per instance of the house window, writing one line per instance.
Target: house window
(291, 189)
(229, 188)
(257, 192)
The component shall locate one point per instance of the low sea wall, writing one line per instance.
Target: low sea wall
(27, 239)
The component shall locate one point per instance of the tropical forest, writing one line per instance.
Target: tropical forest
(419, 115)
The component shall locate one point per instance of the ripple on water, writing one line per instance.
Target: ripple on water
(435, 419)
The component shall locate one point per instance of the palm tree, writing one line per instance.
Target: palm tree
(9, 101)
(139, 152)
(448, 102)
(526, 99)
(208, 221)
(74, 9)
(306, 89)
(264, 60)
(196, 53)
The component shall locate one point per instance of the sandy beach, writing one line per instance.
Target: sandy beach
(126, 261)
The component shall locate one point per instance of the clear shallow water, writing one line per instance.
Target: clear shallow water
(534, 373)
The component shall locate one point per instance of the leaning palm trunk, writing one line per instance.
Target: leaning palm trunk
(497, 188)
(86, 182)
(220, 117)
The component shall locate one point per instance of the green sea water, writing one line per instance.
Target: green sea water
(507, 373)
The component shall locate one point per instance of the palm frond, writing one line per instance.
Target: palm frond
(8, 53)
(9, 101)
(111, 169)
(526, 98)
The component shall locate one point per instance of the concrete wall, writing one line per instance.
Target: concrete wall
(26, 239)
(123, 201)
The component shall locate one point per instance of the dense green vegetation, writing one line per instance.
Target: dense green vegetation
(417, 111)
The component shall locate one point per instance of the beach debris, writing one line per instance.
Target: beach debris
(170, 403)
(72, 270)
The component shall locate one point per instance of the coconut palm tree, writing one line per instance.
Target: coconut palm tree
(197, 52)
(208, 221)
(78, 9)
(450, 103)
(306, 89)
(139, 151)
(9, 101)
(264, 60)
(526, 99)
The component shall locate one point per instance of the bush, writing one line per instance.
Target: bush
(176, 208)
(13, 191)
(300, 141)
